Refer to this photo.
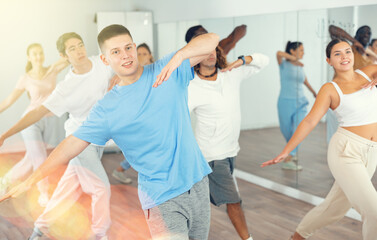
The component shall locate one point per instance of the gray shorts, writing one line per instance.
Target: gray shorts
(184, 217)
(222, 185)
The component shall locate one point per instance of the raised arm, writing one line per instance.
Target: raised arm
(61, 155)
(337, 32)
(27, 120)
(13, 96)
(319, 109)
(230, 42)
(254, 62)
(280, 55)
(196, 50)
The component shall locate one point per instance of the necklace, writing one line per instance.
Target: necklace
(207, 76)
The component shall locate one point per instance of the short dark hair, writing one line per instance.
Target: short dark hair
(332, 43)
(110, 32)
(360, 31)
(194, 31)
(372, 41)
(60, 43)
(292, 46)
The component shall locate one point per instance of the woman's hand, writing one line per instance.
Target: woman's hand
(370, 85)
(278, 159)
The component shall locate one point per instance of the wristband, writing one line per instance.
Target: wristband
(242, 57)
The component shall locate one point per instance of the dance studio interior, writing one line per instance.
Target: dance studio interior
(274, 198)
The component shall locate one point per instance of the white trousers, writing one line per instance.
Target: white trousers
(84, 174)
(352, 161)
(37, 138)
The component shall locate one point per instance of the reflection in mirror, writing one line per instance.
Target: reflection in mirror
(261, 139)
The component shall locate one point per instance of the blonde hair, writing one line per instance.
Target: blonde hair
(28, 64)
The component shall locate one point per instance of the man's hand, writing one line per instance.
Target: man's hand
(172, 65)
(240, 32)
(234, 64)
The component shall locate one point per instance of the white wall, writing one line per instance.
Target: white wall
(175, 10)
(368, 16)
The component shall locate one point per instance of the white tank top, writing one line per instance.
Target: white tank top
(357, 108)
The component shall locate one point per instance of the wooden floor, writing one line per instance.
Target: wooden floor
(261, 145)
(270, 216)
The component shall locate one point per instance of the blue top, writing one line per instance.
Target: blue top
(153, 129)
(292, 78)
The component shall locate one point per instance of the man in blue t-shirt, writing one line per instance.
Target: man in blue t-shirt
(151, 124)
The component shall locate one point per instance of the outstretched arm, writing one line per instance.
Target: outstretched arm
(62, 154)
(280, 55)
(58, 66)
(6, 103)
(319, 109)
(230, 42)
(27, 120)
(196, 50)
(337, 32)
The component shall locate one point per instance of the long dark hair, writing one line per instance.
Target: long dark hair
(292, 46)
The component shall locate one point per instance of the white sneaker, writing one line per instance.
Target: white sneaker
(121, 177)
(250, 238)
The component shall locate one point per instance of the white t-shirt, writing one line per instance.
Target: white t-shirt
(216, 105)
(78, 93)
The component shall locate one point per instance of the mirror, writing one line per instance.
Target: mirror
(261, 138)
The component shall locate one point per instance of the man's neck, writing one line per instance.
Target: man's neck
(208, 73)
(128, 80)
(83, 68)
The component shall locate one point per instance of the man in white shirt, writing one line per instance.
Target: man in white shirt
(214, 98)
(86, 82)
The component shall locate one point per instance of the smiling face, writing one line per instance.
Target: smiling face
(36, 56)
(75, 52)
(363, 35)
(120, 53)
(144, 56)
(341, 57)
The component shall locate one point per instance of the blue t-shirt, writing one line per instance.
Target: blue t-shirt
(152, 127)
(292, 79)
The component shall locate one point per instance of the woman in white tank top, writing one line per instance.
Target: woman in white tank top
(352, 153)
(38, 81)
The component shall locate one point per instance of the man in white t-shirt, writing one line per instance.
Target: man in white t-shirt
(86, 82)
(214, 98)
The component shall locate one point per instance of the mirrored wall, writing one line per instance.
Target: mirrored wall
(261, 137)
